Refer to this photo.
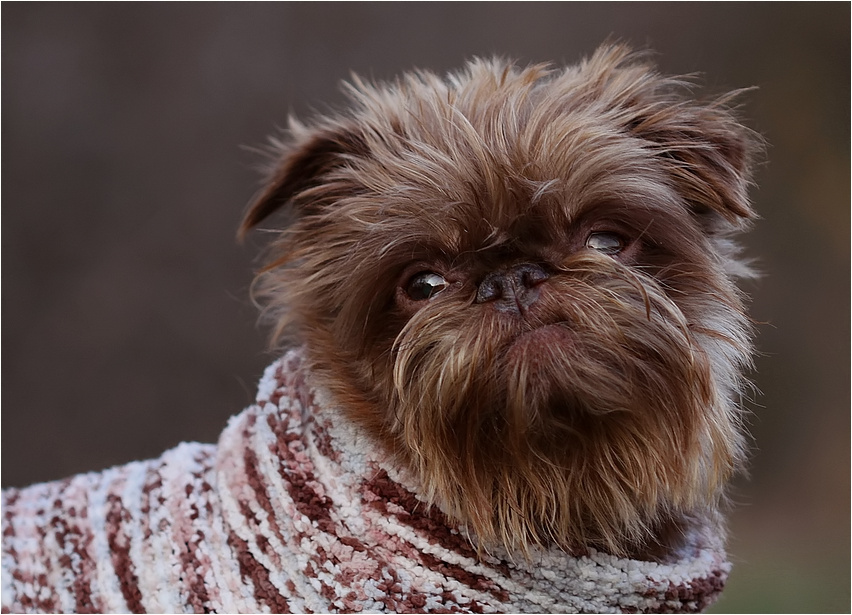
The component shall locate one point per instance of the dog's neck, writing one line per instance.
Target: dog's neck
(339, 528)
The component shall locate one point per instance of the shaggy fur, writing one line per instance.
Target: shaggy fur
(519, 282)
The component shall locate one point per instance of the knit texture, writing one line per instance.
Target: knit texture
(296, 510)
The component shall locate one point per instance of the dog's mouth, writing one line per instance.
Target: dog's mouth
(538, 342)
(539, 390)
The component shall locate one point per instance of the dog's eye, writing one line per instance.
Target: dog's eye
(425, 285)
(605, 243)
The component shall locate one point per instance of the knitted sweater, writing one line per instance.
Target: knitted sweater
(296, 511)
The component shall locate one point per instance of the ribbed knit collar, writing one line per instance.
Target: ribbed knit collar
(332, 525)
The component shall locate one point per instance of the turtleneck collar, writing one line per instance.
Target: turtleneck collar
(325, 521)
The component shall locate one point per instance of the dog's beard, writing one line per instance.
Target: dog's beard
(593, 420)
(602, 412)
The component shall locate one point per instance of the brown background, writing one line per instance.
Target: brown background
(126, 322)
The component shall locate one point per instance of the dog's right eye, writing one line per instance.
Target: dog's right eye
(425, 285)
(605, 243)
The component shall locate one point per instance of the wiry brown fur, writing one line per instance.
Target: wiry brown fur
(605, 408)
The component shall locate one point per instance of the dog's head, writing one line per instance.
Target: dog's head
(520, 281)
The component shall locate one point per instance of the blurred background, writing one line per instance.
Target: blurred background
(126, 140)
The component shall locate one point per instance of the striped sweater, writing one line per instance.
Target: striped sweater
(295, 511)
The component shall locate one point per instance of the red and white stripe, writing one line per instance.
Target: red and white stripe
(296, 512)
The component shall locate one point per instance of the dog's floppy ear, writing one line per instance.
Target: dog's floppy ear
(710, 156)
(707, 151)
(301, 166)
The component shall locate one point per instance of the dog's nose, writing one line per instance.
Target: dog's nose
(514, 289)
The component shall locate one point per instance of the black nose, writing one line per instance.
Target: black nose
(514, 289)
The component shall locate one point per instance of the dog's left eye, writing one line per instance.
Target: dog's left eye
(425, 285)
(605, 243)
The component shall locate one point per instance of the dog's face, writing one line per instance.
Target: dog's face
(519, 281)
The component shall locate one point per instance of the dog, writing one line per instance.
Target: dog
(520, 284)
(513, 295)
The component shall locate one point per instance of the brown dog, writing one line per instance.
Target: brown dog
(513, 294)
(519, 281)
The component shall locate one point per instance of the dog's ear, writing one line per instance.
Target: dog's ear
(709, 155)
(301, 165)
(708, 152)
